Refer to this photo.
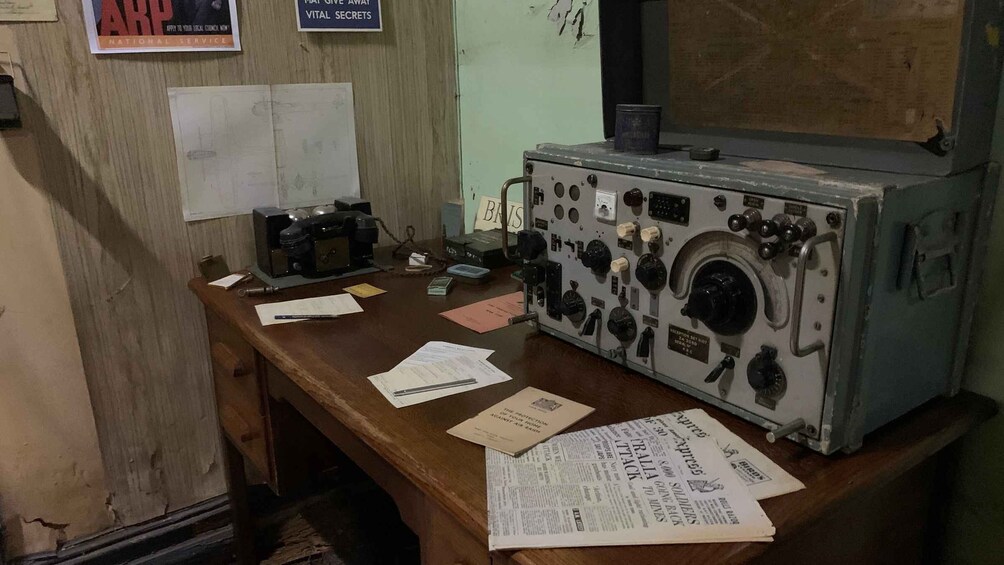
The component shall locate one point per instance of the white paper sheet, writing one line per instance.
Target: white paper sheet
(27, 11)
(336, 305)
(315, 143)
(225, 149)
(436, 351)
(228, 281)
(243, 147)
(447, 370)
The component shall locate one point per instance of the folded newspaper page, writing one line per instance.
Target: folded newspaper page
(591, 488)
(763, 477)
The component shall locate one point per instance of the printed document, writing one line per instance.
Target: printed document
(334, 305)
(435, 351)
(27, 11)
(487, 315)
(521, 421)
(448, 370)
(763, 477)
(591, 488)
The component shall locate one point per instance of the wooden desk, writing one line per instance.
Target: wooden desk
(877, 505)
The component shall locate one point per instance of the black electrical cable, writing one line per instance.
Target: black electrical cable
(405, 248)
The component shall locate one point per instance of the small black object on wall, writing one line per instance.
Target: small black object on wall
(10, 115)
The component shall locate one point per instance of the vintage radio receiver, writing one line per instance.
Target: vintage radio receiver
(818, 302)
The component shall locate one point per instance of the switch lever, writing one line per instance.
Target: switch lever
(589, 328)
(728, 363)
(644, 342)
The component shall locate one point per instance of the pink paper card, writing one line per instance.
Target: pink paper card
(487, 315)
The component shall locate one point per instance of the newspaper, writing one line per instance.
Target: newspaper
(763, 477)
(593, 488)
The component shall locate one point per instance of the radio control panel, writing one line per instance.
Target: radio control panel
(724, 294)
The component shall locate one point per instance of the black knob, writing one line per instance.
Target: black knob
(728, 363)
(763, 372)
(800, 230)
(573, 306)
(650, 272)
(644, 343)
(768, 250)
(597, 257)
(768, 228)
(530, 244)
(621, 325)
(634, 197)
(723, 297)
(589, 328)
(750, 219)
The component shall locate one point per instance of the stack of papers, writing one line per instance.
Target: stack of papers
(676, 478)
(436, 363)
(334, 305)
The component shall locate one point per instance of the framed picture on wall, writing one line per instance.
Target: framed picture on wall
(140, 26)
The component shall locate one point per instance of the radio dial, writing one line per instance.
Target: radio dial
(634, 198)
(621, 325)
(723, 298)
(619, 265)
(596, 257)
(530, 244)
(764, 373)
(650, 272)
(573, 306)
(627, 230)
(750, 219)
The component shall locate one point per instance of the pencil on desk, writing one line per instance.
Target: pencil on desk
(438, 386)
(306, 316)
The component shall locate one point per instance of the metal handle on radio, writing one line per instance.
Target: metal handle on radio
(796, 314)
(505, 211)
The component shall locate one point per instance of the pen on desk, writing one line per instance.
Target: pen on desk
(306, 316)
(438, 386)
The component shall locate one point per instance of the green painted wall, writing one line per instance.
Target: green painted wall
(522, 83)
(976, 525)
(527, 75)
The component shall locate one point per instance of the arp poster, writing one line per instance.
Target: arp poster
(140, 26)
(339, 15)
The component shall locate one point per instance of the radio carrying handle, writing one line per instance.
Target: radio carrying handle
(796, 315)
(525, 181)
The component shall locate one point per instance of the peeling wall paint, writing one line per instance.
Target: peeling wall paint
(528, 72)
(52, 485)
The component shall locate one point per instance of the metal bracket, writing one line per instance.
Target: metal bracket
(525, 180)
(929, 255)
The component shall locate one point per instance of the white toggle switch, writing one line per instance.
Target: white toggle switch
(619, 264)
(626, 230)
(606, 206)
(651, 234)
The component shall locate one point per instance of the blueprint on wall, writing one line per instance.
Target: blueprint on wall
(241, 147)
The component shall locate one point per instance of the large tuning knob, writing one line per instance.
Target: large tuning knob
(573, 306)
(596, 257)
(621, 325)
(530, 244)
(764, 373)
(650, 272)
(773, 226)
(723, 298)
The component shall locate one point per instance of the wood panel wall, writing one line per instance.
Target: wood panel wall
(103, 126)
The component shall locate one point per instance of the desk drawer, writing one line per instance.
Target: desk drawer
(239, 397)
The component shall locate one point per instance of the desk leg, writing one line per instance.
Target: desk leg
(243, 521)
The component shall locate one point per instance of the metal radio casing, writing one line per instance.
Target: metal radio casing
(881, 312)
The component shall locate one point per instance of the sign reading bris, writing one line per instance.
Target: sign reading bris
(338, 15)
